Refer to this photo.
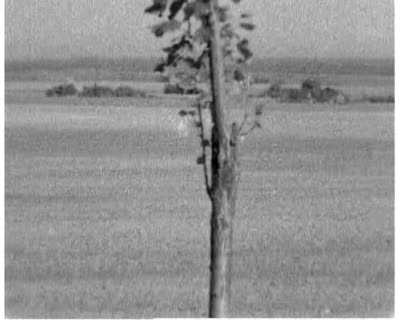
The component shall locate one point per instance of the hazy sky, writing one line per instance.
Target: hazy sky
(114, 28)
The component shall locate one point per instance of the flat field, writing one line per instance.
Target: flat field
(106, 214)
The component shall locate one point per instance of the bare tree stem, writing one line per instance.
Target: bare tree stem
(204, 150)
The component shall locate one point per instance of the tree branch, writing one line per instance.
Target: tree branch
(256, 125)
(243, 122)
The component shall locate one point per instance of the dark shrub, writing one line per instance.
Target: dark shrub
(192, 90)
(97, 91)
(259, 79)
(125, 91)
(323, 95)
(310, 84)
(62, 90)
(170, 88)
(274, 91)
(294, 95)
(328, 95)
(381, 99)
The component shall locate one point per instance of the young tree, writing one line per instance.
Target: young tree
(207, 39)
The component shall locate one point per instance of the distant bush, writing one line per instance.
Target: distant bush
(62, 90)
(104, 91)
(94, 91)
(259, 79)
(381, 99)
(170, 88)
(327, 95)
(191, 91)
(274, 91)
(310, 84)
(294, 95)
(125, 91)
(97, 91)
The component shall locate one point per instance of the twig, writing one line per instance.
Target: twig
(243, 122)
(203, 149)
(255, 126)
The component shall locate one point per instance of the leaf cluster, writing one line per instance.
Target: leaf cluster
(188, 21)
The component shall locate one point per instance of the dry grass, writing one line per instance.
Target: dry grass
(106, 214)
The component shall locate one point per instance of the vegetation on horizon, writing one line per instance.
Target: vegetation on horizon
(94, 91)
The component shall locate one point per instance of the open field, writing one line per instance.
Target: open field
(106, 214)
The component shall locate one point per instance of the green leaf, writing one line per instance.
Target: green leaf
(238, 75)
(188, 11)
(175, 7)
(247, 26)
(245, 15)
(181, 44)
(158, 7)
(228, 52)
(243, 48)
(192, 63)
(172, 59)
(166, 26)
(228, 32)
(160, 67)
(197, 9)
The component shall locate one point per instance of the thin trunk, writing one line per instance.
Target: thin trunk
(225, 178)
(222, 218)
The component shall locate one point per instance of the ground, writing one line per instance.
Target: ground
(106, 213)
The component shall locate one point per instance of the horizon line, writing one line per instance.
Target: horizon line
(32, 60)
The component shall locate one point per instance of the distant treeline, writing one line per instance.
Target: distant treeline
(136, 64)
(384, 67)
(142, 68)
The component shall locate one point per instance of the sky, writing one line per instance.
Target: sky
(59, 29)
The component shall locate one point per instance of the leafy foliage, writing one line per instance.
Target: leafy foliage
(166, 26)
(158, 7)
(190, 22)
(190, 46)
(247, 25)
(175, 7)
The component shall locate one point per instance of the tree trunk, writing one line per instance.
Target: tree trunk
(224, 195)
(225, 178)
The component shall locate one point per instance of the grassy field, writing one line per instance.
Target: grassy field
(106, 213)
